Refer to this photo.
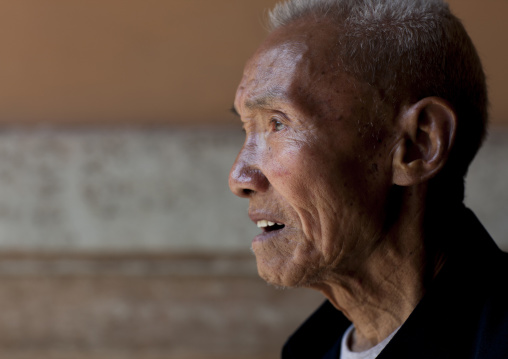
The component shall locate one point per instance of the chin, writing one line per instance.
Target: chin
(283, 272)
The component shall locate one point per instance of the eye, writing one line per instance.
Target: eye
(276, 124)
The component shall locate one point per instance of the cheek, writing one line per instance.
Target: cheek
(331, 196)
(306, 175)
(278, 162)
(289, 170)
(300, 177)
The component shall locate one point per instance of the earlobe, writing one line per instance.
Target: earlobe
(427, 134)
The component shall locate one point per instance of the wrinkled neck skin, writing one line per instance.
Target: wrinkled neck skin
(379, 291)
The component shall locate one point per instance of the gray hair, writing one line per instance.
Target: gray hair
(408, 50)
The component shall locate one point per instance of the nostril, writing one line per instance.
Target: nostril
(246, 191)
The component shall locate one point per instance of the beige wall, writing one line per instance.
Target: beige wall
(161, 61)
(486, 22)
(118, 61)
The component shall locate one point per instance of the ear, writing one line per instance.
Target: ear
(428, 132)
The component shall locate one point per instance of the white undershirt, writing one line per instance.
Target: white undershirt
(372, 353)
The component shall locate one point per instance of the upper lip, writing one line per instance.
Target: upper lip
(259, 215)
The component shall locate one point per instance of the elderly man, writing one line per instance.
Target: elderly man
(361, 118)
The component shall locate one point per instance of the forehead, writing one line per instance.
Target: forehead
(275, 65)
(297, 64)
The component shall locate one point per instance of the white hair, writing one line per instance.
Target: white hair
(408, 50)
(363, 12)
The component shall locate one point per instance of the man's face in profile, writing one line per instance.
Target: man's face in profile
(316, 159)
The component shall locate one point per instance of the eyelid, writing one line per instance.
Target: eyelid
(280, 114)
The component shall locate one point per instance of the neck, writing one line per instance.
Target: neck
(379, 292)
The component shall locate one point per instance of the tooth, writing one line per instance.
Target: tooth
(279, 224)
(262, 223)
(270, 223)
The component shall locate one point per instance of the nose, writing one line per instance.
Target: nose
(245, 177)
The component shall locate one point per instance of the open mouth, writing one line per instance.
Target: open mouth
(268, 226)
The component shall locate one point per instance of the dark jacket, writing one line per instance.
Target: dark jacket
(464, 313)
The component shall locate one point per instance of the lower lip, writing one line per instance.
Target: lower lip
(265, 236)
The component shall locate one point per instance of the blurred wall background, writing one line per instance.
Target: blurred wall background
(118, 235)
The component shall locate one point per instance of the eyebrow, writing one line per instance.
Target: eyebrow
(266, 99)
(261, 102)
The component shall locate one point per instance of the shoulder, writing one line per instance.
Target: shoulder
(464, 314)
(492, 334)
